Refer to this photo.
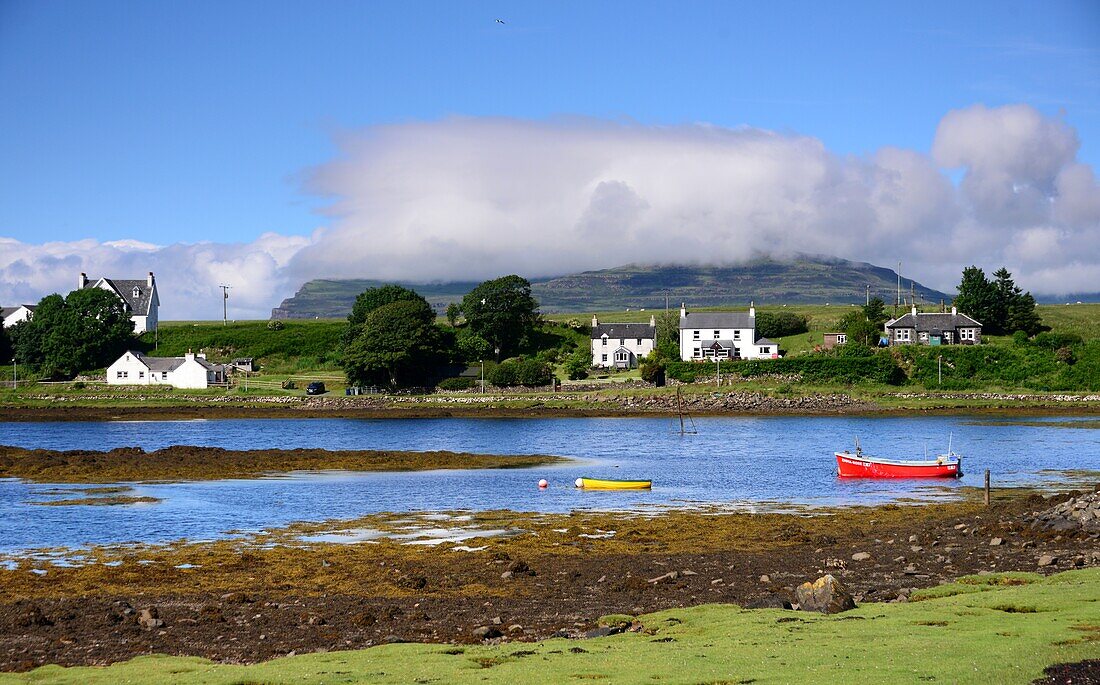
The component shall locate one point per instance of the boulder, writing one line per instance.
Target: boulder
(486, 632)
(149, 619)
(1048, 560)
(826, 595)
(861, 556)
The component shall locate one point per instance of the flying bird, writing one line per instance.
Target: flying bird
(500, 21)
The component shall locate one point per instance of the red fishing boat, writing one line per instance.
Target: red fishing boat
(860, 465)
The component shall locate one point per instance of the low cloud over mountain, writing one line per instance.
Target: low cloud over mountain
(467, 198)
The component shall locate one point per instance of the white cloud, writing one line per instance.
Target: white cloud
(467, 198)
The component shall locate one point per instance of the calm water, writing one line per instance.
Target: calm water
(738, 462)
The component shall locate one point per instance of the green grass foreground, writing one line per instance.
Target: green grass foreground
(983, 629)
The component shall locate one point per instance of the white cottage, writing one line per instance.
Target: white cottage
(9, 316)
(189, 371)
(725, 335)
(139, 296)
(622, 345)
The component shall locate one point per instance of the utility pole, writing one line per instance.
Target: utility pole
(225, 304)
(868, 294)
(897, 298)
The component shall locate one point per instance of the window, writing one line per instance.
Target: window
(603, 358)
(604, 341)
(923, 336)
(841, 338)
(164, 375)
(737, 335)
(947, 337)
(697, 353)
(137, 293)
(966, 334)
(141, 374)
(903, 335)
(639, 342)
(765, 350)
(622, 341)
(118, 374)
(695, 335)
(717, 334)
(621, 356)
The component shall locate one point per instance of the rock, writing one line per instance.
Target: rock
(496, 621)
(688, 573)
(861, 556)
(671, 575)
(996, 542)
(916, 548)
(507, 575)
(826, 594)
(603, 631)
(913, 538)
(149, 619)
(961, 526)
(768, 602)
(515, 628)
(1048, 560)
(486, 632)
(520, 568)
(1078, 561)
(765, 578)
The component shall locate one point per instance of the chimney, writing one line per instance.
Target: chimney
(149, 281)
(82, 282)
(914, 310)
(653, 320)
(752, 309)
(954, 310)
(200, 355)
(190, 356)
(595, 321)
(683, 310)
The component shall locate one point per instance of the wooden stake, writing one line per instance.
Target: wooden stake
(987, 487)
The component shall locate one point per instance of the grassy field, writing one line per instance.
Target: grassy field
(983, 629)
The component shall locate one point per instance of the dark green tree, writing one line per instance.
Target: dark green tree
(859, 330)
(5, 346)
(503, 312)
(88, 329)
(577, 364)
(977, 299)
(875, 311)
(668, 329)
(398, 345)
(454, 310)
(373, 298)
(472, 347)
(1015, 307)
(780, 324)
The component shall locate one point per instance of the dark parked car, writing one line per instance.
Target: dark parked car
(315, 388)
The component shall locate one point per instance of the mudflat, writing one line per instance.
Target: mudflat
(185, 462)
(529, 577)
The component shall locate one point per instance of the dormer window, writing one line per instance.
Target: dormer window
(137, 292)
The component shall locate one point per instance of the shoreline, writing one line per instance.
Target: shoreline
(283, 592)
(517, 407)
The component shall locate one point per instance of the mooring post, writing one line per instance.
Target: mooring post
(987, 487)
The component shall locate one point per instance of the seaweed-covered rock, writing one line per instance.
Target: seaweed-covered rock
(826, 594)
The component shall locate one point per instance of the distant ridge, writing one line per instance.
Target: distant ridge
(803, 280)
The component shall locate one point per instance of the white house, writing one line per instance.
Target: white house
(189, 371)
(726, 335)
(621, 345)
(10, 316)
(139, 296)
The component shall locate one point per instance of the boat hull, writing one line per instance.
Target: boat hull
(862, 466)
(604, 484)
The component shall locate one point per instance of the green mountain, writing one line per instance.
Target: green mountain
(804, 280)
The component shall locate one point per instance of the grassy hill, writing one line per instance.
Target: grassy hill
(299, 346)
(804, 280)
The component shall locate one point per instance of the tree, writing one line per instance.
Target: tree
(977, 299)
(398, 344)
(578, 363)
(88, 329)
(859, 330)
(875, 311)
(453, 312)
(5, 346)
(472, 347)
(780, 324)
(668, 329)
(373, 298)
(1016, 307)
(503, 312)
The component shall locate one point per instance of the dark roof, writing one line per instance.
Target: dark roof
(714, 320)
(927, 322)
(765, 341)
(158, 363)
(140, 305)
(709, 344)
(8, 311)
(624, 330)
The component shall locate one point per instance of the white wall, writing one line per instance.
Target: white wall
(20, 314)
(599, 349)
(129, 370)
(743, 339)
(190, 374)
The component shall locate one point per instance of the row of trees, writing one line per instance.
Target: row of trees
(392, 337)
(87, 329)
(999, 304)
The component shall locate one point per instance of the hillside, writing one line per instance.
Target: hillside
(806, 280)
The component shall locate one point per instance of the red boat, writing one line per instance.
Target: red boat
(860, 465)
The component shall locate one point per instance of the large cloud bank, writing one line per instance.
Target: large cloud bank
(472, 198)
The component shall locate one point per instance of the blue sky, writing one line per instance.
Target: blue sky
(202, 121)
(189, 121)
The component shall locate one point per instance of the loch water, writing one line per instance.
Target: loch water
(747, 463)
